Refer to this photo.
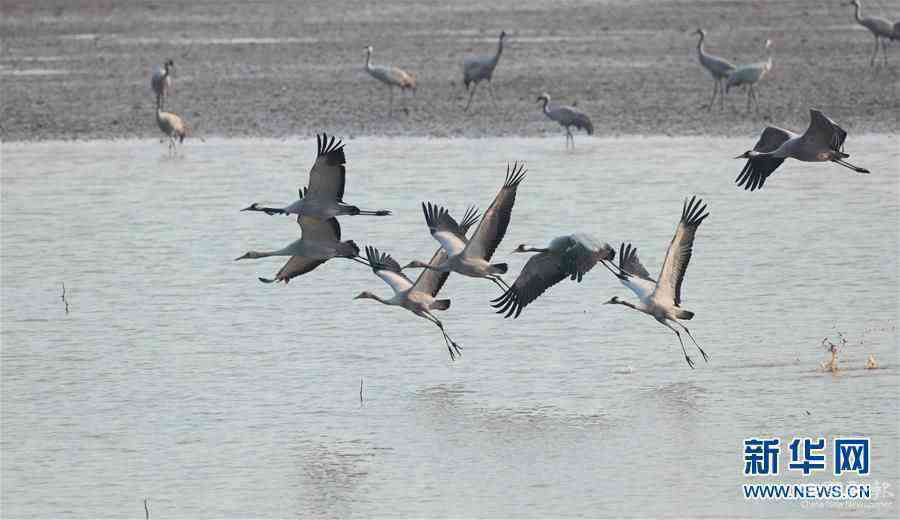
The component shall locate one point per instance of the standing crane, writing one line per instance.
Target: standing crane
(881, 29)
(567, 117)
(327, 178)
(750, 75)
(473, 258)
(569, 256)
(173, 126)
(478, 68)
(320, 241)
(718, 68)
(418, 297)
(390, 76)
(823, 141)
(161, 81)
(661, 298)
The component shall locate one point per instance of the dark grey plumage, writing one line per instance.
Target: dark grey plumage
(567, 117)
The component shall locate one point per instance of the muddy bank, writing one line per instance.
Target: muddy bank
(273, 69)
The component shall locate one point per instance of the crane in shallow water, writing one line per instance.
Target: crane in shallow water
(481, 68)
(173, 126)
(567, 117)
(390, 76)
(661, 299)
(823, 141)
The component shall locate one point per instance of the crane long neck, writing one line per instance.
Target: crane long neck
(369, 60)
(499, 50)
(700, 49)
(629, 304)
(536, 249)
(546, 101)
(380, 299)
(856, 13)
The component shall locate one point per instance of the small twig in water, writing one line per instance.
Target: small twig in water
(147, 508)
(63, 297)
(360, 390)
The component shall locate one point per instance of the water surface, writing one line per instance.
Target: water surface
(178, 376)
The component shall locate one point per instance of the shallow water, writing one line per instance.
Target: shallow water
(177, 376)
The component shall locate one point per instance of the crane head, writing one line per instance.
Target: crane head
(699, 31)
(363, 295)
(853, 2)
(544, 97)
(368, 49)
(169, 65)
(522, 248)
(614, 299)
(502, 34)
(745, 155)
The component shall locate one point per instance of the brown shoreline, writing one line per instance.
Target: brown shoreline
(274, 69)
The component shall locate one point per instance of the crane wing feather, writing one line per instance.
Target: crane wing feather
(328, 174)
(327, 230)
(493, 224)
(430, 281)
(668, 289)
(542, 271)
(757, 170)
(294, 267)
(824, 132)
(385, 267)
(445, 229)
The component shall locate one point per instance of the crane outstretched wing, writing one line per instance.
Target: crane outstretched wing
(496, 219)
(327, 230)
(757, 170)
(430, 281)
(328, 174)
(823, 131)
(542, 271)
(385, 267)
(633, 274)
(294, 267)
(668, 289)
(445, 229)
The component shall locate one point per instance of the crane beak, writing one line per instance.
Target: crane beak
(250, 207)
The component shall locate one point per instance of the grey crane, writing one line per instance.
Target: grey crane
(418, 297)
(661, 298)
(478, 68)
(161, 81)
(881, 29)
(390, 76)
(567, 117)
(173, 126)
(473, 257)
(823, 141)
(327, 178)
(320, 241)
(718, 68)
(750, 75)
(569, 256)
